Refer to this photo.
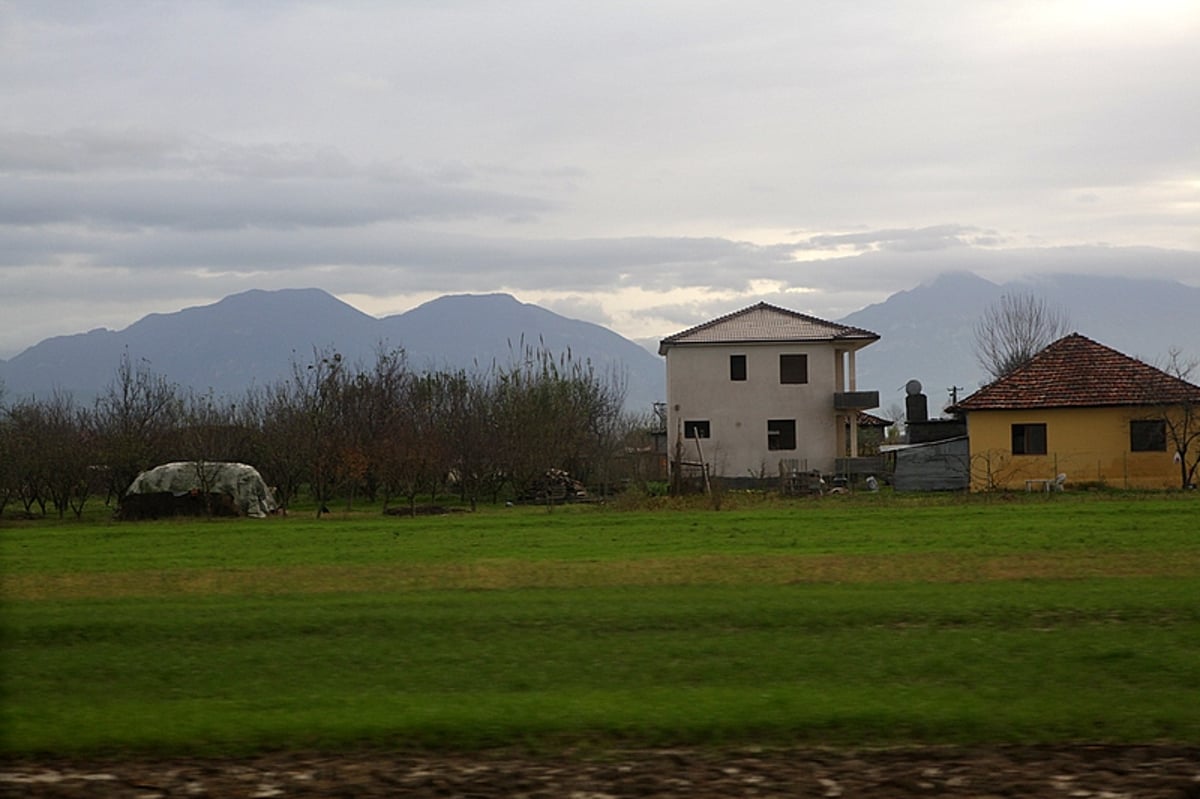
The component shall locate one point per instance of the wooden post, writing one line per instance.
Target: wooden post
(703, 465)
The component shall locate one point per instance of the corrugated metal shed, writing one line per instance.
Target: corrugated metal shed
(935, 466)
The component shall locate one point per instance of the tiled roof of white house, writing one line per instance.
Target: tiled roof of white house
(764, 323)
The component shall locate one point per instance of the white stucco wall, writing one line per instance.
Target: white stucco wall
(699, 388)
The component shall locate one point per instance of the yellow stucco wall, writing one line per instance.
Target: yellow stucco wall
(1089, 445)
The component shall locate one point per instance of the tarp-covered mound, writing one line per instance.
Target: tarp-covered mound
(198, 487)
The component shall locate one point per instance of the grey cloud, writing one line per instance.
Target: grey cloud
(579, 307)
(146, 152)
(42, 302)
(684, 315)
(441, 147)
(198, 204)
(81, 150)
(897, 270)
(935, 237)
(114, 292)
(823, 304)
(427, 260)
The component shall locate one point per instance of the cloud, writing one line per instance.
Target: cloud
(232, 204)
(85, 151)
(936, 237)
(576, 306)
(651, 164)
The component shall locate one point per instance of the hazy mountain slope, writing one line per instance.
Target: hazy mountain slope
(253, 338)
(481, 331)
(925, 333)
(1141, 317)
(242, 340)
(928, 332)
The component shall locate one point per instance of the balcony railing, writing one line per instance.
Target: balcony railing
(855, 400)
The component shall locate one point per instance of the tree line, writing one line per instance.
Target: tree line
(379, 431)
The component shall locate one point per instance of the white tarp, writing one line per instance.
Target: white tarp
(242, 483)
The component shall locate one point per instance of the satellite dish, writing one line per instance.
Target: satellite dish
(912, 388)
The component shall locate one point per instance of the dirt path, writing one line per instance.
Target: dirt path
(1061, 772)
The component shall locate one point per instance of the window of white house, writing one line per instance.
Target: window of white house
(793, 368)
(781, 434)
(737, 367)
(1148, 435)
(696, 429)
(1029, 439)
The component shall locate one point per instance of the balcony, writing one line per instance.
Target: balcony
(855, 400)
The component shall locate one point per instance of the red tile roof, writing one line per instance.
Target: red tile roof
(871, 420)
(1076, 372)
(763, 323)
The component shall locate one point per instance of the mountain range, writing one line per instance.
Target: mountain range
(928, 332)
(255, 337)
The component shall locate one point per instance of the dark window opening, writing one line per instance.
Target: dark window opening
(781, 434)
(793, 368)
(1148, 435)
(1029, 439)
(696, 429)
(737, 367)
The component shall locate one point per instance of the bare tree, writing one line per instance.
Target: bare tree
(470, 435)
(422, 455)
(375, 403)
(71, 476)
(284, 431)
(134, 421)
(8, 456)
(317, 390)
(28, 458)
(1014, 329)
(1179, 415)
(208, 438)
(896, 412)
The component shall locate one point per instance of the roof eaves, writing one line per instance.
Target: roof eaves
(842, 332)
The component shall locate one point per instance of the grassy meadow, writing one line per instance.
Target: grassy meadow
(850, 620)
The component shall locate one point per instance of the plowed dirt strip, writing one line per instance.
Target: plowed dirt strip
(508, 574)
(1079, 772)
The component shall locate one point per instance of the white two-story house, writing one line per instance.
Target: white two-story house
(765, 389)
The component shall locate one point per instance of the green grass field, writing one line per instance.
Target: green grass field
(856, 621)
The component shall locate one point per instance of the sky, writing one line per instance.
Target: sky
(645, 166)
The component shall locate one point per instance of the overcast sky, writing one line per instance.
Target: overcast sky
(641, 165)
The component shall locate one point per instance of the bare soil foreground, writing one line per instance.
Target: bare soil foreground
(1062, 772)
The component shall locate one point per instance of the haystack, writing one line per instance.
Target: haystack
(188, 488)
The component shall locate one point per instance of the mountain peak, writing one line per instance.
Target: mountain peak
(928, 332)
(254, 337)
(956, 280)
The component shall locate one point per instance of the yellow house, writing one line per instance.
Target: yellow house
(1081, 412)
